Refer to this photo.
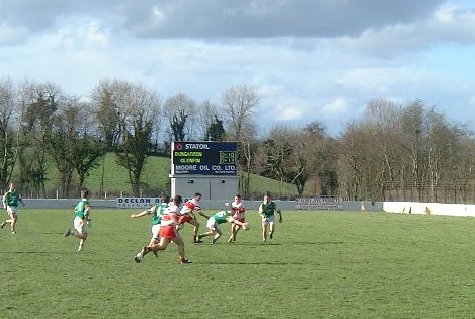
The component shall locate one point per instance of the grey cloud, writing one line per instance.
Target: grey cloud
(38, 16)
(393, 41)
(223, 18)
(276, 18)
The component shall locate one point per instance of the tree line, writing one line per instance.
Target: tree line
(394, 152)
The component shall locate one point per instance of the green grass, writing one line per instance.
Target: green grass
(319, 265)
(115, 178)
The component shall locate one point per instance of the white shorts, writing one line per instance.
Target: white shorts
(155, 231)
(268, 220)
(80, 225)
(212, 224)
(12, 210)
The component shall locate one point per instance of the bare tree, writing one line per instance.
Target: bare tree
(322, 158)
(107, 113)
(10, 113)
(310, 158)
(348, 163)
(295, 155)
(381, 122)
(180, 111)
(462, 172)
(276, 148)
(370, 152)
(406, 151)
(208, 121)
(446, 149)
(414, 134)
(239, 105)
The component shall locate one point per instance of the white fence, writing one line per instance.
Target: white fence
(429, 209)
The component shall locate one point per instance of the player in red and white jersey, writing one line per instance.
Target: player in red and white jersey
(237, 211)
(187, 215)
(168, 233)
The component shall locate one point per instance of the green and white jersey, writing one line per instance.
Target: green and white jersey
(12, 198)
(221, 217)
(157, 213)
(81, 209)
(268, 209)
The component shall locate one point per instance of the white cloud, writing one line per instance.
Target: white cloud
(335, 108)
(290, 113)
(446, 13)
(279, 106)
(269, 90)
(380, 81)
(80, 35)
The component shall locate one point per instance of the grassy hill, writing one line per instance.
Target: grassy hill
(112, 180)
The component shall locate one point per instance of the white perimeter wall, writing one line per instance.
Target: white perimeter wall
(389, 207)
(429, 208)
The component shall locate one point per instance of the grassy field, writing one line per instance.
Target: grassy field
(319, 265)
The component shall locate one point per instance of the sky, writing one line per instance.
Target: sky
(308, 60)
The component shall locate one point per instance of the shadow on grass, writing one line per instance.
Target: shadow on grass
(317, 243)
(276, 263)
(73, 252)
(246, 244)
(279, 244)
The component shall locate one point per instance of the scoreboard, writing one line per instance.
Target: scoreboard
(204, 158)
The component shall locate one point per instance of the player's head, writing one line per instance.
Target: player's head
(84, 193)
(165, 199)
(197, 196)
(177, 200)
(12, 185)
(237, 197)
(267, 197)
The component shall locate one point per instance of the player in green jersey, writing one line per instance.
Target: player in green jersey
(10, 202)
(267, 209)
(156, 211)
(218, 218)
(82, 219)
